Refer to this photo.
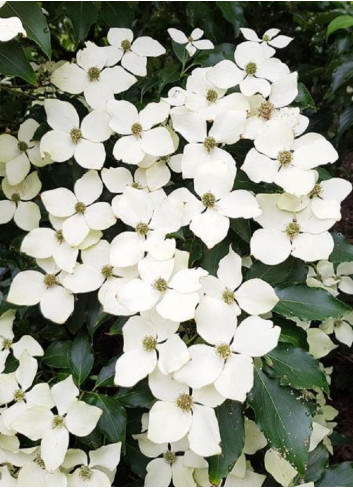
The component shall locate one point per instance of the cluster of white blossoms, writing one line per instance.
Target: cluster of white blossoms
(116, 231)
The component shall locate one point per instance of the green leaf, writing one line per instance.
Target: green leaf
(291, 333)
(113, 421)
(116, 14)
(231, 426)
(284, 420)
(82, 359)
(308, 304)
(33, 20)
(242, 228)
(343, 250)
(135, 459)
(340, 475)
(233, 12)
(13, 62)
(137, 396)
(211, 258)
(341, 22)
(106, 375)
(82, 15)
(219, 53)
(297, 368)
(57, 355)
(304, 99)
(318, 460)
(291, 270)
(342, 75)
(345, 121)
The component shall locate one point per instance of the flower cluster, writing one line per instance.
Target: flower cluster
(145, 179)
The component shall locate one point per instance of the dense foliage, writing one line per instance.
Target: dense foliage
(147, 213)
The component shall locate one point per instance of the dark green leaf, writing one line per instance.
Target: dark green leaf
(233, 12)
(33, 20)
(82, 359)
(291, 333)
(106, 375)
(231, 426)
(292, 270)
(284, 420)
(340, 475)
(135, 459)
(318, 460)
(304, 99)
(179, 51)
(343, 250)
(342, 75)
(308, 304)
(297, 368)
(82, 15)
(116, 14)
(341, 22)
(13, 62)
(57, 355)
(113, 420)
(220, 52)
(137, 396)
(345, 121)
(211, 258)
(242, 228)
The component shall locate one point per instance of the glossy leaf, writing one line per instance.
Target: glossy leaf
(340, 475)
(82, 15)
(343, 250)
(58, 354)
(13, 62)
(341, 22)
(82, 359)
(113, 420)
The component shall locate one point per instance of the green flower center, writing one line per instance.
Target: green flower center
(136, 129)
(284, 158)
(6, 343)
(316, 191)
(265, 110)
(85, 473)
(228, 296)
(149, 343)
(161, 285)
(94, 73)
(75, 134)
(210, 143)
(337, 323)
(59, 236)
(16, 197)
(169, 457)
(125, 45)
(107, 271)
(22, 146)
(49, 280)
(80, 208)
(251, 68)
(223, 351)
(292, 230)
(208, 200)
(40, 462)
(58, 422)
(211, 96)
(185, 402)
(136, 185)
(266, 38)
(142, 229)
(19, 395)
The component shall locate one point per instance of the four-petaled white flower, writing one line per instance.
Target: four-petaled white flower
(193, 42)
(10, 27)
(271, 38)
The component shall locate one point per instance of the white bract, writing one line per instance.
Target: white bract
(10, 27)
(192, 42)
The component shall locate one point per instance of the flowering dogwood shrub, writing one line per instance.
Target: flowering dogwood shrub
(192, 235)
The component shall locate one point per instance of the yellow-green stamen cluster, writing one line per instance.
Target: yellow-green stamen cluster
(76, 135)
(22, 146)
(40, 462)
(228, 296)
(292, 230)
(223, 351)
(265, 110)
(93, 73)
(251, 68)
(161, 285)
(125, 45)
(149, 343)
(85, 473)
(142, 229)
(208, 200)
(284, 158)
(19, 395)
(6, 343)
(15, 197)
(59, 236)
(80, 208)
(169, 457)
(316, 191)
(266, 38)
(185, 402)
(136, 129)
(107, 271)
(58, 422)
(49, 280)
(210, 143)
(211, 96)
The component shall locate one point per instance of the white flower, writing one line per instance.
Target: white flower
(99, 471)
(270, 38)
(342, 328)
(133, 53)
(224, 298)
(140, 137)
(25, 343)
(182, 412)
(300, 234)
(91, 76)
(229, 365)
(243, 475)
(70, 138)
(193, 42)
(213, 183)
(320, 343)
(10, 27)
(281, 470)
(145, 346)
(25, 214)
(34, 473)
(168, 285)
(79, 208)
(254, 70)
(31, 287)
(226, 129)
(18, 153)
(205, 98)
(73, 416)
(151, 221)
(155, 172)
